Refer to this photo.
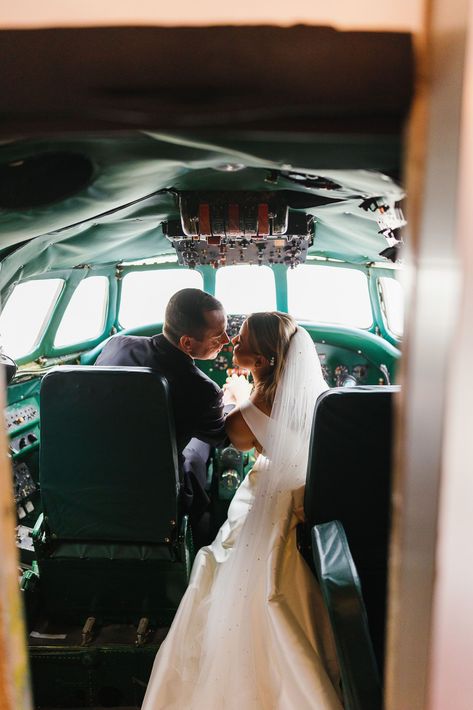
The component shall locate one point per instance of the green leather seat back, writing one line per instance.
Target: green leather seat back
(108, 460)
(341, 590)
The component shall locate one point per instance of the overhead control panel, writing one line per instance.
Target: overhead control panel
(227, 228)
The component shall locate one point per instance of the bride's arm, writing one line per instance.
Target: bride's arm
(239, 432)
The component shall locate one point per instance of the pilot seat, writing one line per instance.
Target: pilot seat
(111, 544)
(346, 531)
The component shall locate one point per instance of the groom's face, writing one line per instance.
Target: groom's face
(213, 338)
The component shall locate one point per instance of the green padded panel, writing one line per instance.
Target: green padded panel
(97, 677)
(74, 550)
(108, 461)
(343, 598)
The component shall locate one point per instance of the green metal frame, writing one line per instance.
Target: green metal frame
(115, 274)
(45, 347)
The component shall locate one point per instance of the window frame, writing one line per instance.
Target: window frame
(115, 274)
(388, 334)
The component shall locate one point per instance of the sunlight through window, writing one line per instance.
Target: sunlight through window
(329, 294)
(246, 289)
(84, 318)
(145, 294)
(26, 315)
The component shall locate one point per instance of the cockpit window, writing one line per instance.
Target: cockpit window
(26, 315)
(392, 299)
(329, 295)
(246, 288)
(84, 317)
(145, 294)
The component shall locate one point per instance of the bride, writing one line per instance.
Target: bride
(251, 632)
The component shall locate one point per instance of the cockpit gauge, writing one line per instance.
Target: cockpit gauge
(360, 372)
(324, 367)
(341, 373)
(220, 363)
(234, 323)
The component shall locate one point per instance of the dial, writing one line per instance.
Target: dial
(220, 362)
(341, 372)
(360, 372)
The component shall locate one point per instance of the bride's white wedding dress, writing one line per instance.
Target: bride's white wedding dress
(251, 632)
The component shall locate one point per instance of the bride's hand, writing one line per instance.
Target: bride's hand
(236, 390)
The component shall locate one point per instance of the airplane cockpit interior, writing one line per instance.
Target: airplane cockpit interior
(265, 203)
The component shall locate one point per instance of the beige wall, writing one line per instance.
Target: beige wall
(365, 14)
(451, 683)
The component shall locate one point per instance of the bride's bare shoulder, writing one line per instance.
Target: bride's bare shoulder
(239, 432)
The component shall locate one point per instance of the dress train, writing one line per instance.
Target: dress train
(277, 654)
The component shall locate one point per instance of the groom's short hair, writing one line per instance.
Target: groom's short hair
(185, 314)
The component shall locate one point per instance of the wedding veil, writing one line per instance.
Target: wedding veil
(232, 638)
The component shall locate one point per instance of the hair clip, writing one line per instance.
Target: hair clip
(272, 361)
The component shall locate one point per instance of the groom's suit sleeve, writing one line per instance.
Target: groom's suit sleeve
(210, 416)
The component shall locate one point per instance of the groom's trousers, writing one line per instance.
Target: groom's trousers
(194, 498)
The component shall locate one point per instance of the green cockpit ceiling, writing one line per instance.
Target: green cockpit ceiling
(120, 188)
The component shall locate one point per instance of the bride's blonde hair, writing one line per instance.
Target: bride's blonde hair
(269, 334)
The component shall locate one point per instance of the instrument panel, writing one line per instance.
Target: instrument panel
(22, 425)
(20, 415)
(341, 366)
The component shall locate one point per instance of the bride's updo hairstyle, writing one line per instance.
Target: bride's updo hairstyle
(270, 334)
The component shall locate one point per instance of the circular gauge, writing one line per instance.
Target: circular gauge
(341, 372)
(220, 363)
(360, 372)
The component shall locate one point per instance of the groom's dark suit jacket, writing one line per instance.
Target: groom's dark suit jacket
(196, 399)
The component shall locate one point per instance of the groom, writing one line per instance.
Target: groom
(195, 326)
